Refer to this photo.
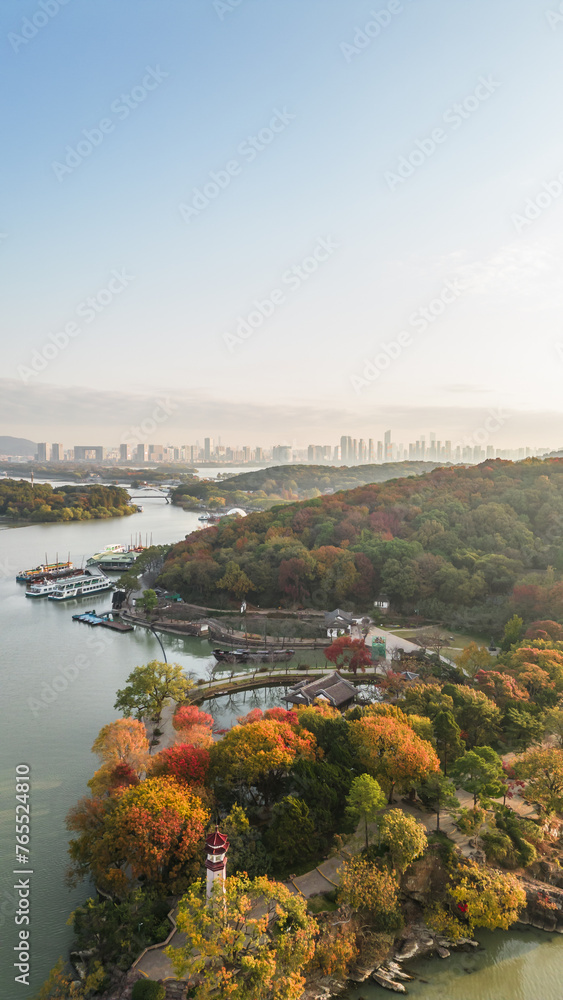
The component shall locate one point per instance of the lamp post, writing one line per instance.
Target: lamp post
(155, 633)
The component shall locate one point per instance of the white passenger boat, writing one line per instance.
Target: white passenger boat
(80, 586)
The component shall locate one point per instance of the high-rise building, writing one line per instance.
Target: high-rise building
(141, 453)
(123, 452)
(259, 455)
(207, 449)
(42, 451)
(388, 447)
(88, 453)
(371, 452)
(57, 452)
(282, 453)
(380, 451)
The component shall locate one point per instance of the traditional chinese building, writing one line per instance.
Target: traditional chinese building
(216, 847)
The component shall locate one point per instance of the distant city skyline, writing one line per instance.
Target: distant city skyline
(350, 451)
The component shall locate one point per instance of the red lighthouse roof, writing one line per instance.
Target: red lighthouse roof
(216, 841)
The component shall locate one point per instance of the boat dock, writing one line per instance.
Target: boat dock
(106, 620)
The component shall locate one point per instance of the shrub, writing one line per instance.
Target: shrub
(148, 989)
(470, 820)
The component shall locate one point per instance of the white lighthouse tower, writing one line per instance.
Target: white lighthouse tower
(216, 846)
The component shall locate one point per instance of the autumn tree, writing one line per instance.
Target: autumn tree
(187, 763)
(150, 688)
(373, 892)
(365, 800)
(238, 949)
(487, 897)
(235, 581)
(479, 771)
(404, 836)
(392, 752)
(349, 654)
(193, 726)
(474, 658)
(256, 757)
(153, 831)
(542, 769)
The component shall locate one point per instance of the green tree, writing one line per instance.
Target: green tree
(474, 658)
(128, 582)
(512, 632)
(149, 601)
(542, 768)
(291, 834)
(245, 951)
(438, 792)
(365, 799)
(479, 771)
(150, 688)
(404, 837)
(449, 744)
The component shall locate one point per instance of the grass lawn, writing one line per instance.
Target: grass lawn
(458, 643)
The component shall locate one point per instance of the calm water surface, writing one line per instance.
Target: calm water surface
(39, 642)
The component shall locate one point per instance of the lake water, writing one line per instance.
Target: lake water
(59, 680)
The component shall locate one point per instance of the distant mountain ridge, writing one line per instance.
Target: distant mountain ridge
(17, 446)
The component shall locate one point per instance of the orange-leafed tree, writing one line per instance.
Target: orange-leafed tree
(257, 756)
(392, 752)
(193, 726)
(123, 749)
(350, 654)
(153, 831)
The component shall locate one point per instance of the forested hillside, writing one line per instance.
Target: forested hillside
(459, 545)
(293, 482)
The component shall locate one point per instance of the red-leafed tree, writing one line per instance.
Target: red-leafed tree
(500, 687)
(185, 762)
(348, 653)
(544, 630)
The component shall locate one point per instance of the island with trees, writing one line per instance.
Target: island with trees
(426, 812)
(41, 502)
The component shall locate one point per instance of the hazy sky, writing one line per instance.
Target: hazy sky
(293, 218)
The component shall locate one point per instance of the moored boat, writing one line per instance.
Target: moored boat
(81, 586)
(56, 569)
(253, 655)
(45, 585)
